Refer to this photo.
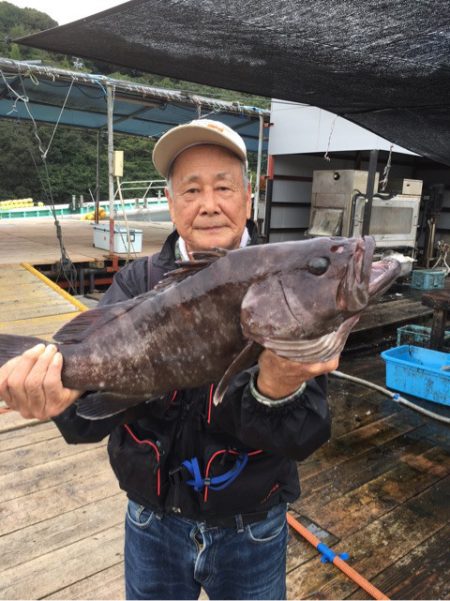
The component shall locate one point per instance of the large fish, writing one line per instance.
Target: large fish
(211, 317)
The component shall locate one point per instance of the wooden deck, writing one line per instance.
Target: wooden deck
(34, 240)
(379, 490)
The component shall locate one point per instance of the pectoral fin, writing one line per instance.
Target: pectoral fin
(246, 358)
(100, 405)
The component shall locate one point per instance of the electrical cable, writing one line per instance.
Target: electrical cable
(392, 395)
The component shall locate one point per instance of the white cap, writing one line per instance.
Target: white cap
(195, 133)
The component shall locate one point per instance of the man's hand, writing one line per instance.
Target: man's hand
(279, 377)
(31, 383)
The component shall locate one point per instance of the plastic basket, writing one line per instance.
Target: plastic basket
(428, 279)
(418, 336)
(423, 373)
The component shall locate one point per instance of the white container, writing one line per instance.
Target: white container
(101, 238)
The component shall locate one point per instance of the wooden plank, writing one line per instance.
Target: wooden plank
(64, 497)
(40, 453)
(31, 433)
(378, 545)
(84, 462)
(35, 299)
(420, 574)
(354, 443)
(299, 550)
(389, 313)
(14, 421)
(107, 584)
(45, 325)
(346, 514)
(31, 542)
(53, 571)
(357, 470)
(38, 310)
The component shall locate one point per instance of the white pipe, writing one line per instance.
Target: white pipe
(393, 395)
(110, 112)
(258, 169)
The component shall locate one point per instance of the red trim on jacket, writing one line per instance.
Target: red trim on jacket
(157, 454)
(220, 452)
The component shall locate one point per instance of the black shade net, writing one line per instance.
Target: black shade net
(383, 64)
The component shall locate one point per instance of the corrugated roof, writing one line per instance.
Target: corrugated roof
(139, 110)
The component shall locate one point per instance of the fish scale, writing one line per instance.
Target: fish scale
(213, 316)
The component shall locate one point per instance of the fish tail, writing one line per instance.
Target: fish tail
(11, 346)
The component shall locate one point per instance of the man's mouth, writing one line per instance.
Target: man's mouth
(211, 228)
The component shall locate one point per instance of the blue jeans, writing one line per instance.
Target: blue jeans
(170, 557)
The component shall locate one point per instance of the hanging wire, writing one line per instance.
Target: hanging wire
(326, 155)
(59, 119)
(66, 268)
(386, 170)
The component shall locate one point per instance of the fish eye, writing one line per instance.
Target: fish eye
(318, 265)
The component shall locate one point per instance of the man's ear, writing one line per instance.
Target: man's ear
(248, 200)
(171, 204)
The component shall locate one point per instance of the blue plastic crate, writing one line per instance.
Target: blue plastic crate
(418, 336)
(428, 279)
(418, 371)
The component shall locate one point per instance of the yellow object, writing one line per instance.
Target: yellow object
(55, 287)
(90, 216)
(16, 204)
(118, 163)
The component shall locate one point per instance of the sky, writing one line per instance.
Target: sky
(65, 12)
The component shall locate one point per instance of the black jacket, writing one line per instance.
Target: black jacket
(147, 455)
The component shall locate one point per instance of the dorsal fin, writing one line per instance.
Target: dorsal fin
(201, 260)
(84, 324)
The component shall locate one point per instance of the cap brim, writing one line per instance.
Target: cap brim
(174, 142)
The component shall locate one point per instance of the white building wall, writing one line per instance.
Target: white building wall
(298, 128)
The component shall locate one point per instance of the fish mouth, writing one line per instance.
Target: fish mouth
(353, 292)
(314, 350)
(382, 275)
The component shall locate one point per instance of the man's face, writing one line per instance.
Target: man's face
(209, 204)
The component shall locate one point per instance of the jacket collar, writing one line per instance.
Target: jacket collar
(166, 258)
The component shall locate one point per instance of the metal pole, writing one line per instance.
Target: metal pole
(110, 111)
(97, 181)
(373, 161)
(269, 192)
(258, 169)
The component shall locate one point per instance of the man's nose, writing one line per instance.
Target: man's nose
(209, 202)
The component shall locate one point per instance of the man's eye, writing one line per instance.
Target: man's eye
(191, 191)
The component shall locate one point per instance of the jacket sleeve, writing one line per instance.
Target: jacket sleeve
(127, 283)
(292, 430)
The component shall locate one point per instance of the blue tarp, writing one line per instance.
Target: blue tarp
(139, 110)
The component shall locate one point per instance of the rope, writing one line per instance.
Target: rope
(66, 267)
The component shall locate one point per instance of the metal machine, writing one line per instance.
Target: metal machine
(338, 203)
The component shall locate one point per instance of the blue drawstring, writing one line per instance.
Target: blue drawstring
(216, 482)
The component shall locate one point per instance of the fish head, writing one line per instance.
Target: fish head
(307, 309)
(329, 284)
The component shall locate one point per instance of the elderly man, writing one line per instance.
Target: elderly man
(208, 486)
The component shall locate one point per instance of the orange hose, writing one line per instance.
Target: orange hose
(338, 562)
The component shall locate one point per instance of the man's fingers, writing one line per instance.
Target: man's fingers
(5, 370)
(57, 397)
(34, 383)
(15, 381)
